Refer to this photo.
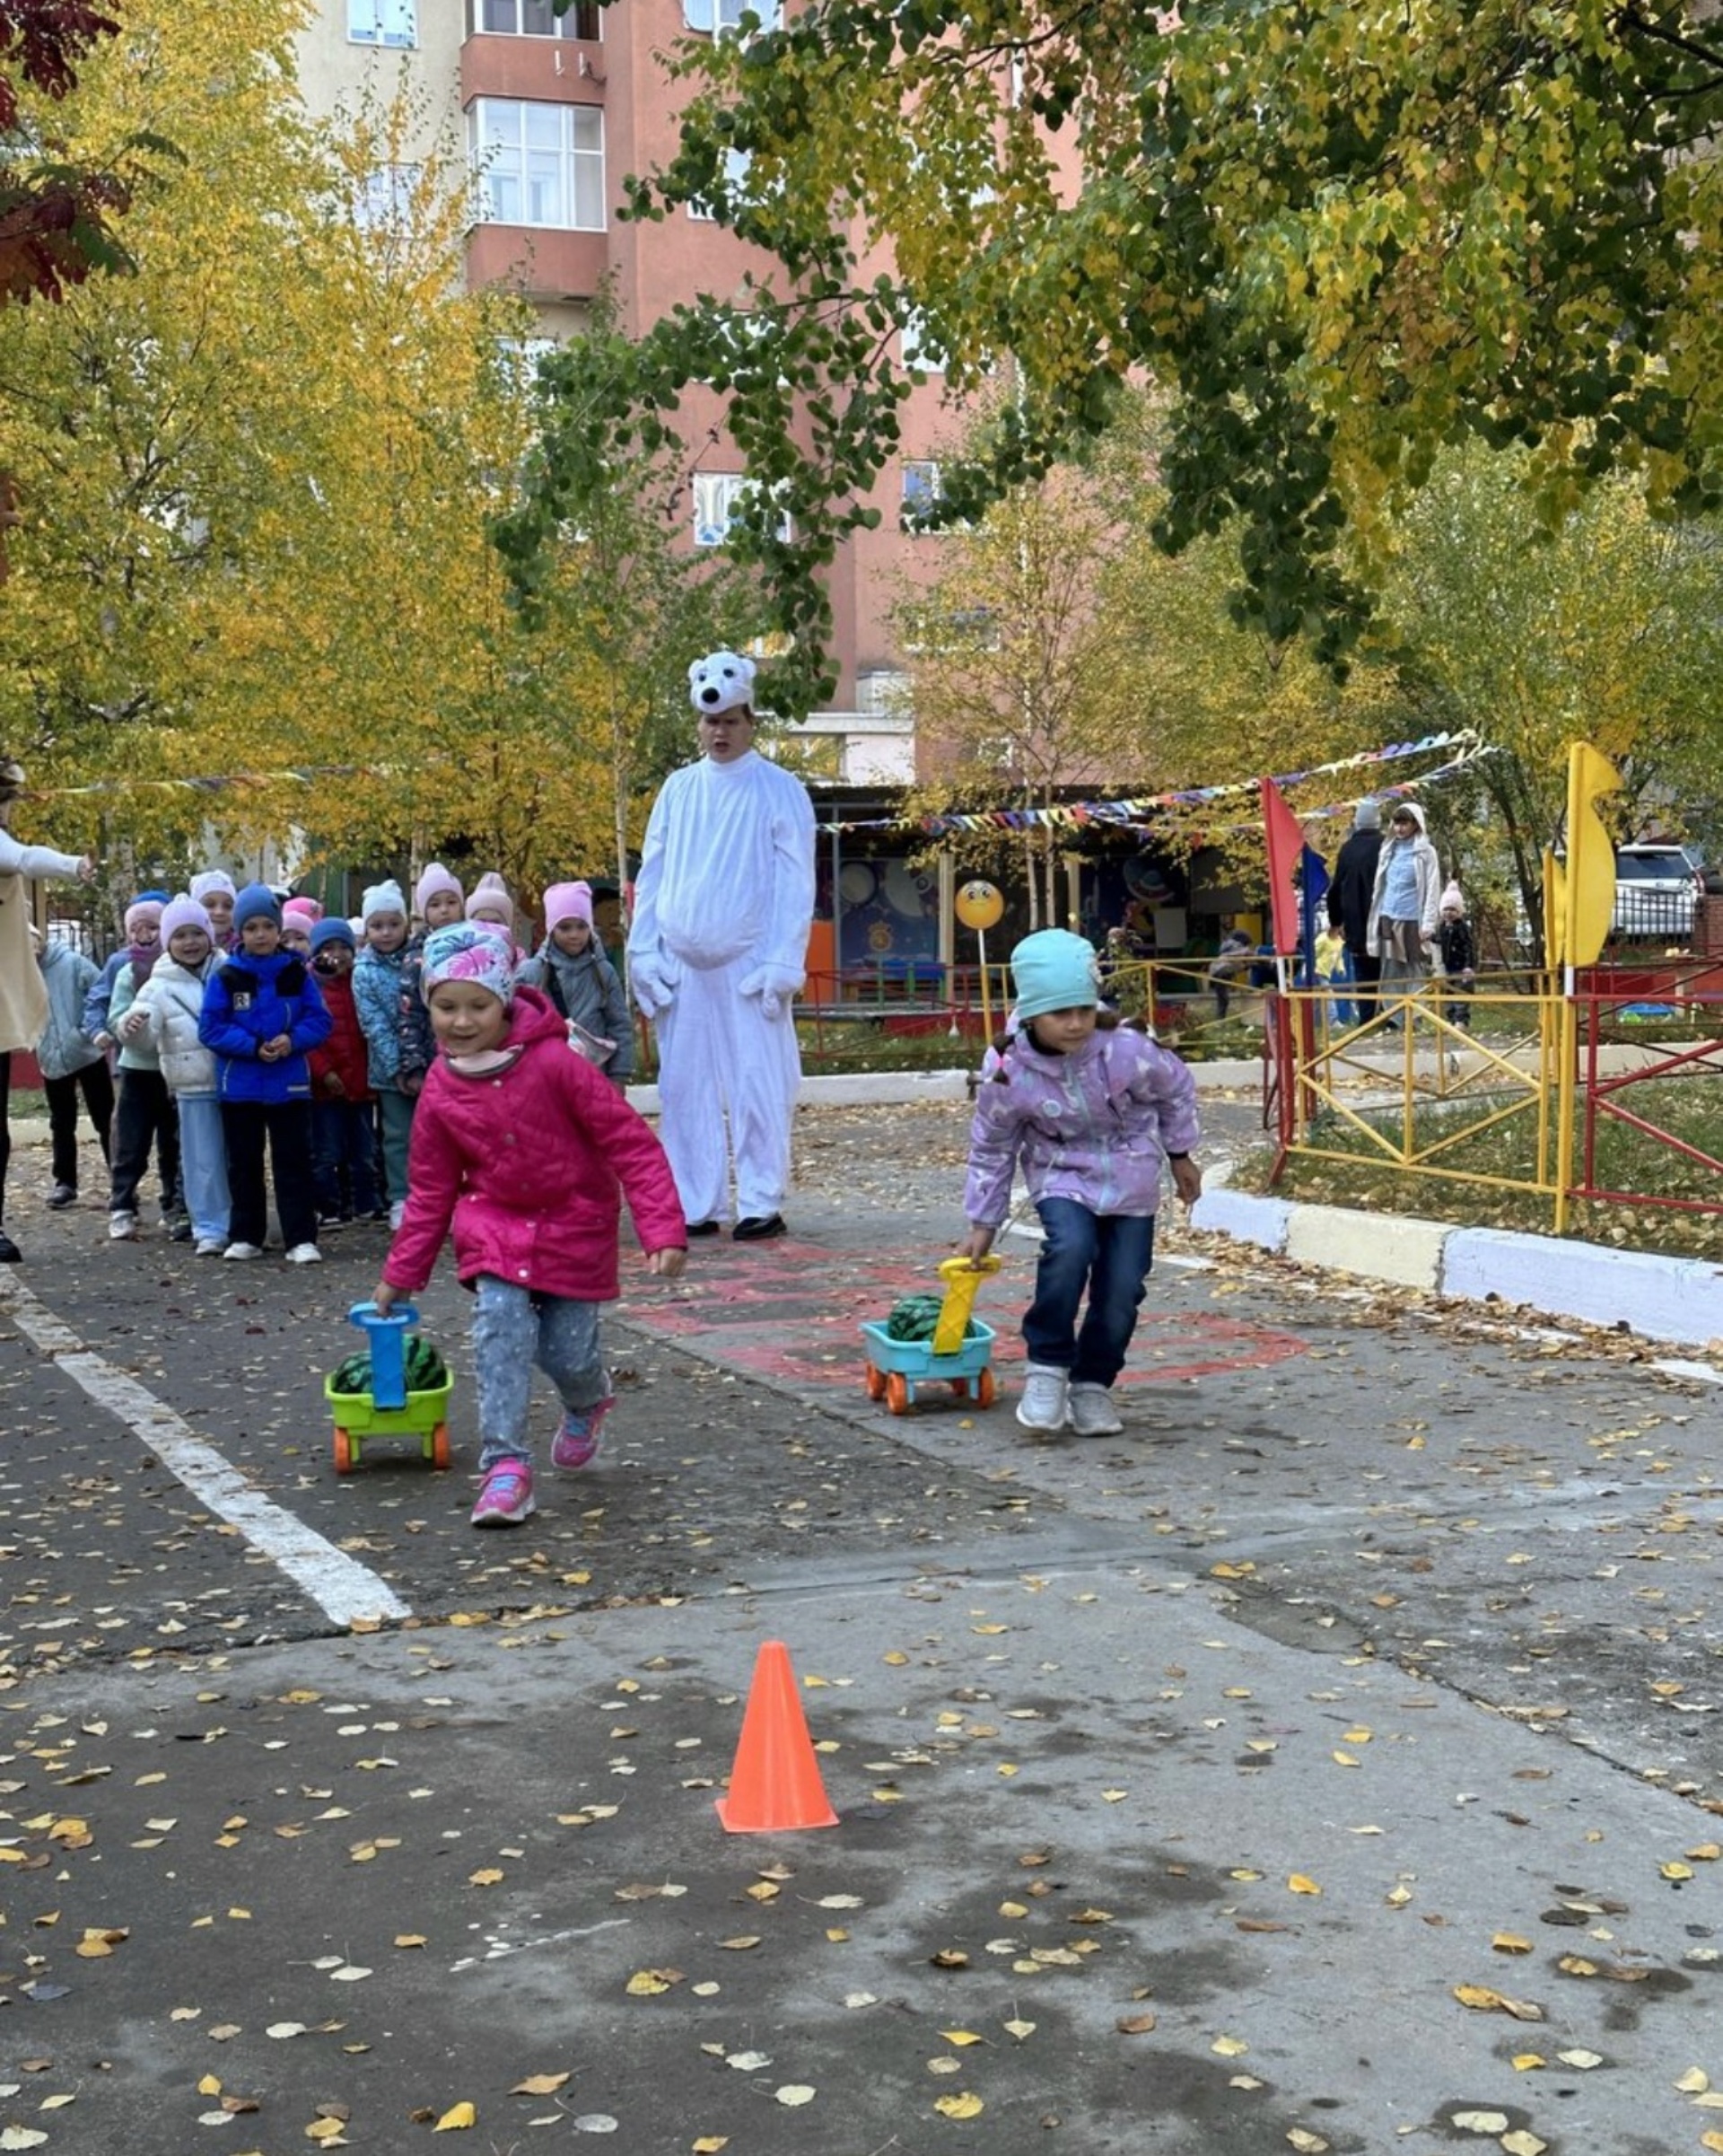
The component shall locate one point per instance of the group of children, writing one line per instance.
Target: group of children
(244, 1027)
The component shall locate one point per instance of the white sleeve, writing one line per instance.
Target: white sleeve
(785, 944)
(35, 861)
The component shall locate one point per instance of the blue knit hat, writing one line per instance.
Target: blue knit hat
(334, 930)
(257, 902)
(1054, 970)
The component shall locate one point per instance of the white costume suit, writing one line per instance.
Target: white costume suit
(718, 948)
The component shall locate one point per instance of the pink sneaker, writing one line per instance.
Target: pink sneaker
(577, 1442)
(506, 1498)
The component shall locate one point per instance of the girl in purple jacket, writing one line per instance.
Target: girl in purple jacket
(524, 1151)
(1087, 1107)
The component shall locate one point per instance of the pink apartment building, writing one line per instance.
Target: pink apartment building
(556, 111)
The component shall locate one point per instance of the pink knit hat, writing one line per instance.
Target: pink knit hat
(308, 910)
(140, 913)
(1451, 897)
(435, 878)
(183, 912)
(490, 891)
(568, 902)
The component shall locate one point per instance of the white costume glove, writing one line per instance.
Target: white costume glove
(651, 981)
(776, 986)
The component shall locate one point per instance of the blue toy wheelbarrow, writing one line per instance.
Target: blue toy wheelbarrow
(959, 1354)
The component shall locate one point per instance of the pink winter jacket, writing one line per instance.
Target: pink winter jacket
(528, 1167)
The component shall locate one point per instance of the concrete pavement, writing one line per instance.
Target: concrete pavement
(1331, 1760)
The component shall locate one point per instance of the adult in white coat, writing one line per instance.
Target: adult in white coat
(24, 996)
(717, 951)
(1405, 903)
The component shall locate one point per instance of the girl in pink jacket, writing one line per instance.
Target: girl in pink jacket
(524, 1150)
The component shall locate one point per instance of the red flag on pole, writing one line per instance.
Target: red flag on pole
(1285, 846)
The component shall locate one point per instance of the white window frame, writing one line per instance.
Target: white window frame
(723, 18)
(390, 23)
(918, 349)
(717, 497)
(922, 485)
(736, 166)
(384, 203)
(505, 156)
(563, 26)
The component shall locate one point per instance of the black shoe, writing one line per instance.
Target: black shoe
(62, 1196)
(180, 1232)
(755, 1230)
(10, 1254)
(702, 1227)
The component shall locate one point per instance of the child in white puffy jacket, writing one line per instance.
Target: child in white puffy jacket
(167, 1009)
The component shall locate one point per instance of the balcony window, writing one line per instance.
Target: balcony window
(539, 164)
(536, 19)
(717, 18)
(382, 22)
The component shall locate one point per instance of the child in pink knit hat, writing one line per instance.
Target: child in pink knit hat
(438, 900)
(1459, 949)
(572, 970)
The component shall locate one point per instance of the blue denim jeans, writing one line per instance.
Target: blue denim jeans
(344, 1153)
(512, 1330)
(1110, 1256)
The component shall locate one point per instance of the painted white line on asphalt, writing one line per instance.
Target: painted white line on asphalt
(343, 1590)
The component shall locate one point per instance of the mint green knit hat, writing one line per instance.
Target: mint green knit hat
(1054, 970)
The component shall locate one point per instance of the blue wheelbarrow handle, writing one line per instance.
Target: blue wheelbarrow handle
(386, 1332)
(366, 1315)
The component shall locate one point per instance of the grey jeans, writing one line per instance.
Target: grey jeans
(513, 1329)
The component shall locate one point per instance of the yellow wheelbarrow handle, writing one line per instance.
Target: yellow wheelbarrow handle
(963, 1277)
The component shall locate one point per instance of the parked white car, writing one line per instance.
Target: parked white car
(1656, 888)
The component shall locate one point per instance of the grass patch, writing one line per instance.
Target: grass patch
(1689, 1107)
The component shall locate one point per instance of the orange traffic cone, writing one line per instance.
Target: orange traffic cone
(774, 1785)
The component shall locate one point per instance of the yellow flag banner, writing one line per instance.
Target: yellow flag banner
(1588, 883)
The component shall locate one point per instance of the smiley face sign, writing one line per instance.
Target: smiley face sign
(979, 905)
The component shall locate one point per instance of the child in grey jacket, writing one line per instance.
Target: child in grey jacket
(70, 1063)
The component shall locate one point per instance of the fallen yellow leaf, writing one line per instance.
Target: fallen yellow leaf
(1299, 1884)
(1510, 1942)
(456, 2117)
(539, 2084)
(962, 2106)
(961, 2036)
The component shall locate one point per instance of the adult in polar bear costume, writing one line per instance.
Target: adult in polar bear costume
(722, 907)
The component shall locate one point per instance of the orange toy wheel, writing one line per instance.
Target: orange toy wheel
(346, 1457)
(440, 1446)
(876, 1383)
(897, 1393)
(986, 1392)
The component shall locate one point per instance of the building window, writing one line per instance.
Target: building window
(381, 22)
(920, 486)
(385, 203)
(718, 498)
(536, 19)
(736, 168)
(540, 164)
(519, 358)
(718, 17)
(921, 351)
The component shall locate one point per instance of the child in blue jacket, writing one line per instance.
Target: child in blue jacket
(261, 1013)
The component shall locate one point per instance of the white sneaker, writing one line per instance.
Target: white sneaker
(304, 1254)
(1044, 1389)
(397, 1215)
(1092, 1412)
(122, 1227)
(242, 1250)
(212, 1246)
